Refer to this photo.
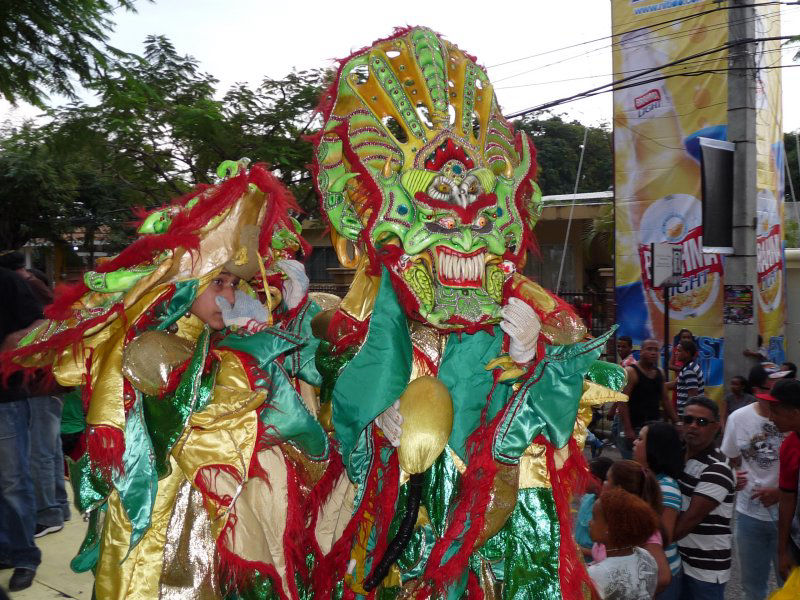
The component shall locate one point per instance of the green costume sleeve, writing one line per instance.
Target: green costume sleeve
(287, 415)
(462, 371)
(377, 375)
(547, 402)
(302, 363)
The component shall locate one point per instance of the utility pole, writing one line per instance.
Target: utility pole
(741, 267)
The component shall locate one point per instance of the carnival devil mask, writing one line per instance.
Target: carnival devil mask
(418, 169)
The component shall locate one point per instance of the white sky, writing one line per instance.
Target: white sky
(246, 40)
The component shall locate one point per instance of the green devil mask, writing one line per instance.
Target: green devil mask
(417, 167)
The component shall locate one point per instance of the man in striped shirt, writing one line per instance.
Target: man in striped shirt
(703, 530)
(690, 381)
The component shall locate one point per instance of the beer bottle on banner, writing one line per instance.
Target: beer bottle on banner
(665, 183)
(678, 219)
(769, 259)
(647, 109)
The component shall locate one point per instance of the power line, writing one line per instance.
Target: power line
(662, 38)
(637, 83)
(511, 87)
(607, 37)
(615, 85)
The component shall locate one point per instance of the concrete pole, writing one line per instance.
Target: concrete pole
(741, 266)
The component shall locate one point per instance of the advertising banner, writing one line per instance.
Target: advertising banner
(674, 53)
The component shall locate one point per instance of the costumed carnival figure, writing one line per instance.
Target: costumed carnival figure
(459, 390)
(189, 347)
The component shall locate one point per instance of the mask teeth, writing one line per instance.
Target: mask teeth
(459, 270)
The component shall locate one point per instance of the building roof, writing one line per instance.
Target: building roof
(588, 198)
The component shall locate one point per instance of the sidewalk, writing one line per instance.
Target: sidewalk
(54, 578)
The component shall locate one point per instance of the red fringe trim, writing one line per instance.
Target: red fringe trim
(345, 331)
(207, 476)
(524, 191)
(321, 492)
(331, 568)
(280, 203)
(474, 590)
(106, 445)
(566, 481)
(473, 499)
(295, 534)
(237, 572)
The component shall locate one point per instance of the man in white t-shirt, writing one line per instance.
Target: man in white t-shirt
(752, 442)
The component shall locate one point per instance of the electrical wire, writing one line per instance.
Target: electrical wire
(721, 58)
(636, 79)
(652, 25)
(662, 38)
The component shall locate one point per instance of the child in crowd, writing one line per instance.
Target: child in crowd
(621, 522)
(598, 468)
(659, 449)
(675, 364)
(639, 481)
(739, 396)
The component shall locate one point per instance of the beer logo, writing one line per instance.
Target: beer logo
(649, 97)
(769, 252)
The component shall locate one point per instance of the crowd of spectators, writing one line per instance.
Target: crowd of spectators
(714, 475)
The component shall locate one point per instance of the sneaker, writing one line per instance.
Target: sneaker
(45, 529)
(21, 579)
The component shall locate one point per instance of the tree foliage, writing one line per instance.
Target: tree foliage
(158, 125)
(45, 43)
(558, 149)
(156, 129)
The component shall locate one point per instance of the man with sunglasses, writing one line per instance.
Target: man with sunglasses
(703, 529)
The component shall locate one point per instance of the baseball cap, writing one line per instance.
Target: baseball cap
(779, 374)
(785, 391)
(765, 396)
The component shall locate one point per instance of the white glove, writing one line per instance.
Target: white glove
(391, 423)
(296, 284)
(245, 309)
(522, 325)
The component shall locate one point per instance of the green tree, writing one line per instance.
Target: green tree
(156, 129)
(45, 43)
(558, 149)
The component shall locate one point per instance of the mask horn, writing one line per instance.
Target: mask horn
(344, 249)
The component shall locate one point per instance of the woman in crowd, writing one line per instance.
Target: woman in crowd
(622, 522)
(639, 481)
(659, 449)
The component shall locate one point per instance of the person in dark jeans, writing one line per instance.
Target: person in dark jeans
(19, 310)
(646, 393)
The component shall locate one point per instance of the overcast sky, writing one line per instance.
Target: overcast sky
(246, 40)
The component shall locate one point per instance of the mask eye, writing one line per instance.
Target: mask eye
(440, 188)
(481, 221)
(448, 223)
